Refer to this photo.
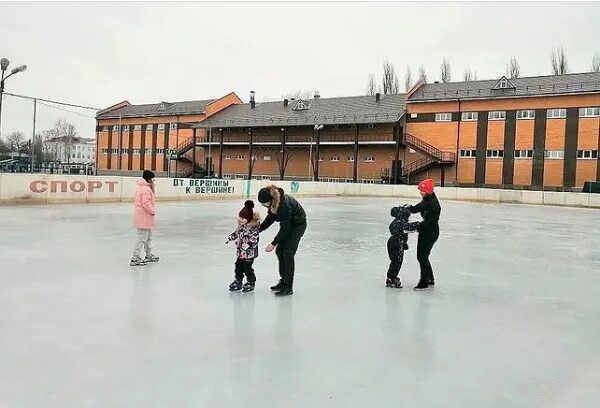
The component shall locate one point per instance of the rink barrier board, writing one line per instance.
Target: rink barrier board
(22, 189)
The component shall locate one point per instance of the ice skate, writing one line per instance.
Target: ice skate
(235, 286)
(151, 258)
(393, 283)
(248, 287)
(277, 287)
(137, 262)
(422, 285)
(284, 291)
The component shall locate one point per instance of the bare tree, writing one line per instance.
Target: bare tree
(513, 69)
(422, 74)
(285, 159)
(445, 71)
(16, 141)
(469, 75)
(371, 85)
(390, 82)
(408, 79)
(299, 94)
(4, 147)
(595, 63)
(560, 65)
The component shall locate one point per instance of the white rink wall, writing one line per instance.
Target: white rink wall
(55, 189)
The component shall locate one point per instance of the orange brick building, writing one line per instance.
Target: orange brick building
(131, 138)
(525, 133)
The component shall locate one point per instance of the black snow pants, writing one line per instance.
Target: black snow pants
(424, 246)
(395, 247)
(286, 250)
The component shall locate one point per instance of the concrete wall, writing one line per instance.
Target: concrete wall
(50, 189)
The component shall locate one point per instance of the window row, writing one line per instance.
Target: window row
(521, 114)
(139, 151)
(527, 154)
(127, 128)
(350, 159)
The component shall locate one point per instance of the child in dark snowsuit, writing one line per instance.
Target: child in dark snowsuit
(246, 237)
(397, 243)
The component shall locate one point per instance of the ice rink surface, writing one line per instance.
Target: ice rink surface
(514, 320)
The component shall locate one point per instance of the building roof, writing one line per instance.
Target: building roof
(345, 110)
(156, 109)
(582, 83)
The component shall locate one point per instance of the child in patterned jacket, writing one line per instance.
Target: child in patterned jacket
(246, 237)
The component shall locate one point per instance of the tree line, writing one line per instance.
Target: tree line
(45, 150)
(390, 83)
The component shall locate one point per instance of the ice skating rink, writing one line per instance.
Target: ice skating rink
(514, 320)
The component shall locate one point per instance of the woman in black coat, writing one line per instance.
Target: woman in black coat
(429, 231)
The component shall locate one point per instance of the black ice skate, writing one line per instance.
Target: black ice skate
(137, 262)
(277, 287)
(284, 291)
(393, 283)
(151, 258)
(235, 286)
(422, 285)
(248, 287)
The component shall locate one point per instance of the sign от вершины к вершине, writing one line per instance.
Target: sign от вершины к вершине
(195, 186)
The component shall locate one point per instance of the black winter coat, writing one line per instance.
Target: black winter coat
(286, 211)
(430, 210)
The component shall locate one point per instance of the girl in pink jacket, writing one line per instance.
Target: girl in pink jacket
(143, 219)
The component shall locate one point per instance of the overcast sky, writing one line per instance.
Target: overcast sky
(98, 54)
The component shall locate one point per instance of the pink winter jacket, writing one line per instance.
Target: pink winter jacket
(144, 202)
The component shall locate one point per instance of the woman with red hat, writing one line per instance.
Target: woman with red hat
(429, 230)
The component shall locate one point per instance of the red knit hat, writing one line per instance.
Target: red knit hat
(247, 211)
(426, 186)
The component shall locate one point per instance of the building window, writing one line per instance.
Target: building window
(526, 114)
(227, 176)
(443, 117)
(523, 154)
(370, 126)
(587, 154)
(104, 151)
(137, 127)
(267, 158)
(320, 159)
(495, 154)
(589, 112)
(161, 126)
(239, 176)
(351, 159)
(160, 151)
(115, 128)
(105, 128)
(503, 84)
(556, 113)
(497, 115)
(173, 126)
(227, 157)
(125, 128)
(370, 159)
(240, 157)
(554, 154)
(469, 116)
(335, 158)
(467, 153)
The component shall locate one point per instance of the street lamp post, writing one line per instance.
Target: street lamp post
(4, 63)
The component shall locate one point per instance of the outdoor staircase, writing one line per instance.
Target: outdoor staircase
(433, 157)
(196, 171)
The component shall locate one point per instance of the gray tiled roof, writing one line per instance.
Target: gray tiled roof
(171, 108)
(346, 110)
(532, 86)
